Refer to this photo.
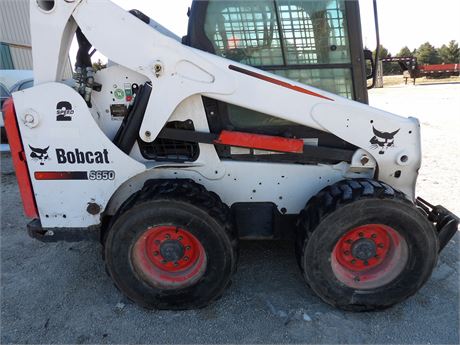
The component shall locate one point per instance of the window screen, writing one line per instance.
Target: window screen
(245, 31)
(270, 33)
(288, 38)
(284, 33)
(6, 62)
(313, 32)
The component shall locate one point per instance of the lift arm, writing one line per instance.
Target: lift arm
(177, 72)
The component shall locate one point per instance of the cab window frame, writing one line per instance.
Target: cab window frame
(196, 37)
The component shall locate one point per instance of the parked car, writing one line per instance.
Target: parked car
(12, 81)
(4, 95)
(22, 85)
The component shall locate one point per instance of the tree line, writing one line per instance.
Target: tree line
(426, 54)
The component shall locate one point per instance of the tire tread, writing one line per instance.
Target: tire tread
(188, 191)
(330, 199)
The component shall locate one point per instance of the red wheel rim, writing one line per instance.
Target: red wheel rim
(169, 257)
(369, 256)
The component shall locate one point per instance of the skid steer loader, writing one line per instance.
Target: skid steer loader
(172, 154)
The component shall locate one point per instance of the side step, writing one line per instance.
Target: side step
(35, 230)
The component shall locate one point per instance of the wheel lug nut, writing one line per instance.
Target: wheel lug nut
(380, 245)
(164, 261)
(374, 236)
(187, 247)
(366, 263)
(361, 234)
(347, 252)
(349, 241)
(176, 264)
(180, 238)
(377, 257)
(155, 253)
(353, 261)
(167, 236)
(157, 241)
(185, 258)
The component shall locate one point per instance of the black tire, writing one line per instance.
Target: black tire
(3, 137)
(349, 204)
(181, 204)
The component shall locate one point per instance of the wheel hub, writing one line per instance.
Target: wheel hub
(169, 257)
(172, 250)
(364, 249)
(368, 256)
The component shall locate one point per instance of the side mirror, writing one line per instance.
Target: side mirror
(369, 63)
(368, 54)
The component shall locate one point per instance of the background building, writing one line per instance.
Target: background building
(15, 38)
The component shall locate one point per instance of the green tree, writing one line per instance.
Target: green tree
(427, 54)
(450, 53)
(405, 52)
(97, 66)
(388, 67)
(383, 52)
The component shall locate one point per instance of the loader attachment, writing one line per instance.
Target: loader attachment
(446, 222)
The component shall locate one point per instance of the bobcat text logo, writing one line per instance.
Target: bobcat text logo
(39, 155)
(82, 157)
(383, 140)
(64, 111)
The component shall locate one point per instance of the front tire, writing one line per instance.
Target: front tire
(363, 246)
(172, 246)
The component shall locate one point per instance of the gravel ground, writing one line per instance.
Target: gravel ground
(59, 293)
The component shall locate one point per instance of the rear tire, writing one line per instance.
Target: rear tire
(363, 246)
(3, 137)
(172, 246)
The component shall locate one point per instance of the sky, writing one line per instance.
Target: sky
(402, 22)
(411, 23)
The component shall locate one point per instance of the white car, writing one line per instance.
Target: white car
(12, 81)
(4, 95)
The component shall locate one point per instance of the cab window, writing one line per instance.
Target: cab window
(245, 31)
(313, 32)
(287, 37)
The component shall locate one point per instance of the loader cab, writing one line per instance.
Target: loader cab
(316, 42)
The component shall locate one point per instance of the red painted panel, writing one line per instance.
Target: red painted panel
(259, 141)
(19, 160)
(61, 175)
(277, 82)
(452, 67)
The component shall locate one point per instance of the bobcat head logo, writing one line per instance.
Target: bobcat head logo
(383, 140)
(39, 155)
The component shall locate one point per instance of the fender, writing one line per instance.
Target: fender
(399, 160)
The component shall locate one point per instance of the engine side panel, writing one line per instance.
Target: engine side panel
(72, 164)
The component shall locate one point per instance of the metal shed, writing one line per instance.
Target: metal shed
(15, 38)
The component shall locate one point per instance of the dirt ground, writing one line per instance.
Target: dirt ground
(59, 293)
(392, 80)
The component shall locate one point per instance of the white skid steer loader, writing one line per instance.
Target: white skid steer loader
(144, 157)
